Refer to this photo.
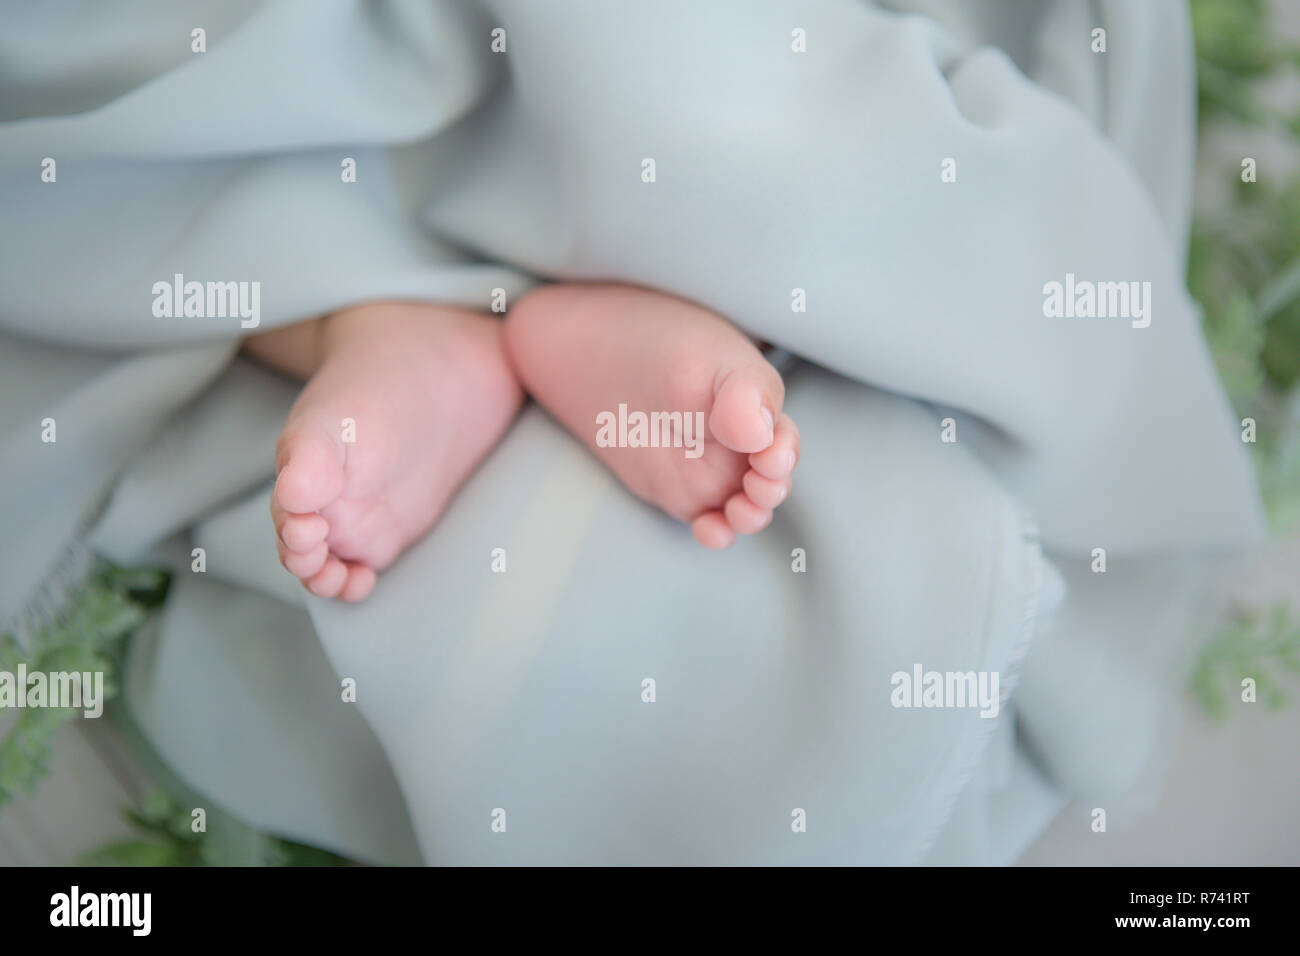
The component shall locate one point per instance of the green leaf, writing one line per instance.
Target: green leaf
(89, 635)
(167, 838)
(1261, 647)
(136, 853)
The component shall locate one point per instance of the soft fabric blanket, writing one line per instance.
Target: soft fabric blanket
(888, 192)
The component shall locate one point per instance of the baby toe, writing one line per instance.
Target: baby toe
(303, 532)
(309, 472)
(303, 564)
(778, 460)
(360, 582)
(744, 516)
(329, 580)
(765, 492)
(745, 405)
(712, 531)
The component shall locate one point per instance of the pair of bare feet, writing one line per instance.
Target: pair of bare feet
(403, 400)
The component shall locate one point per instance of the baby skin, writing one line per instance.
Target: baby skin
(403, 400)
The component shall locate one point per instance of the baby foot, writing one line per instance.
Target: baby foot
(406, 401)
(584, 350)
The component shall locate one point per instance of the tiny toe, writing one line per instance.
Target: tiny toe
(745, 405)
(360, 582)
(310, 472)
(744, 516)
(765, 492)
(278, 514)
(303, 532)
(329, 580)
(778, 460)
(712, 531)
(304, 564)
